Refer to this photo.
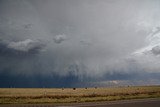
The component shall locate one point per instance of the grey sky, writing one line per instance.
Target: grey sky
(85, 37)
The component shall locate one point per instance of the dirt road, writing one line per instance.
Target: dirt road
(125, 103)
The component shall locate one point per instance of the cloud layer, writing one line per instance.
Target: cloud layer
(91, 41)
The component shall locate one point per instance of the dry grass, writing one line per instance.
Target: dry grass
(67, 95)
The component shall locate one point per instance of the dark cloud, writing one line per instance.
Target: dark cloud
(54, 80)
(156, 50)
(84, 40)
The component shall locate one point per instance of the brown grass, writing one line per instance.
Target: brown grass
(67, 95)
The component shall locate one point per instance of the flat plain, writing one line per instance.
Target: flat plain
(75, 95)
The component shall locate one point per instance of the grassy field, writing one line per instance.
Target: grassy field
(69, 95)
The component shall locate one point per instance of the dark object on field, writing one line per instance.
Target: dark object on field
(74, 88)
(95, 87)
(85, 87)
(62, 88)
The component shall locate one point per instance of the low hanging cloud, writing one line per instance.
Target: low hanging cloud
(59, 38)
(26, 46)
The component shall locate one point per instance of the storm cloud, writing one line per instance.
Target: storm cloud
(85, 40)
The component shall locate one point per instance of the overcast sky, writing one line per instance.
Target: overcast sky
(91, 42)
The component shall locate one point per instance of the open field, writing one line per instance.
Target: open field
(69, 95)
